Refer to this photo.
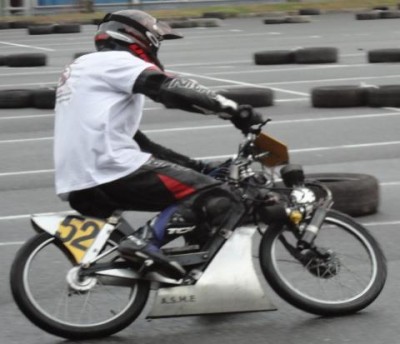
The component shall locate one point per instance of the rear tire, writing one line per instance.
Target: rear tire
(100, 311)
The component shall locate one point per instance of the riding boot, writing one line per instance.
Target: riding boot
(147, 240)
(133, 248)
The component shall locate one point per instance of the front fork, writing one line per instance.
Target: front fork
(311, 230)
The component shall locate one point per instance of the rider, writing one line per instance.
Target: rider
(99, 168)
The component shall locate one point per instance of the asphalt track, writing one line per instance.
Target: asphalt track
(361, 140)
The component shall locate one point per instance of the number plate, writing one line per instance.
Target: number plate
(278, 152)
(78, 234)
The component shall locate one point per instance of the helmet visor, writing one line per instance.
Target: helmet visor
(165, 31)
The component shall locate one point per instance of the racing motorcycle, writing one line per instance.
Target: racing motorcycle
(70, 281)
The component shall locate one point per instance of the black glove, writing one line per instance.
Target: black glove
(245, 117)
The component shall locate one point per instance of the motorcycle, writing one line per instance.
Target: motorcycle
(70, 281)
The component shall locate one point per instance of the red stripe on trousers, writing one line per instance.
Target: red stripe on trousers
(178, 189)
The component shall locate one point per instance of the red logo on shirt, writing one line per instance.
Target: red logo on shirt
(64, 76)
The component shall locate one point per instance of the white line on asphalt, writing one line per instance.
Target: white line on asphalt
(11, 243)
(290, 92)
(28, 116)
(226, 156)
(52, 114)
(21, 173)
(291, 100)
(26, 46)
(58, 71)
(387, 223)
(361, 78)
(34, 139)
(286, 69)
(390, 183)
(198, 64)
(232, 81)
(223, 126)
(37, 84)
(269, 84)
(360, 145)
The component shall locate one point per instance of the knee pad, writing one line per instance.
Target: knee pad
(216, 207)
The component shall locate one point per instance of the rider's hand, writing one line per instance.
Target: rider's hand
(245, 117)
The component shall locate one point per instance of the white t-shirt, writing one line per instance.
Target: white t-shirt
(96, 116)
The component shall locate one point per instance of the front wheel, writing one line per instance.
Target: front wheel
(91, 309)
(343, 273)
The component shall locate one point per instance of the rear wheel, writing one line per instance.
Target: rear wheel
(85, 308)
(343, 273)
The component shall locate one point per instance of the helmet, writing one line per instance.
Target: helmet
(134, 31)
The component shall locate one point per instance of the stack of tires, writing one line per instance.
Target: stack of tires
(300, 56)
(42, 98)
(355, 95)
(24, 60)
(46, 29)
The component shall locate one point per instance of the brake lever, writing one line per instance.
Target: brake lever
(256, 129)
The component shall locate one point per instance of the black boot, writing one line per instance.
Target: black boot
(133, 247)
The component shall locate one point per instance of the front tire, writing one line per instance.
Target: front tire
(41, 291)
(350, 281)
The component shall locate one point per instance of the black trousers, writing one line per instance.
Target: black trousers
(155, 186)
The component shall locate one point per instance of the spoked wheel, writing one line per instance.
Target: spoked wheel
(49, 291)
(343, 273)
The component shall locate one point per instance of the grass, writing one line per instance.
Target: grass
(289, 6)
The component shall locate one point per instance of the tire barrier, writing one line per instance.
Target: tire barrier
(316, 55)
(275, 20)
(256, 97)
(53, 29)
(67, 28)
(42, 98)
(274, 57)
(297, 19)
(15, 99)
(4, 25)
(339, 96)
(287, 20)
(309, 11)
(353, 193)
(219, 15)
(384, 55)
(368, 15)
(352, 96)
(40, 29)
(378, 14)
(301, 56)
(380, 8)
(26, 60)
(390, 14)
(191, 23)
(384, 96)
(20, 24)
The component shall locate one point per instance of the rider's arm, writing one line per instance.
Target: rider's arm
(182, 93)
(163, 153)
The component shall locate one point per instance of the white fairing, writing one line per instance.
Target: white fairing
(229, 284)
